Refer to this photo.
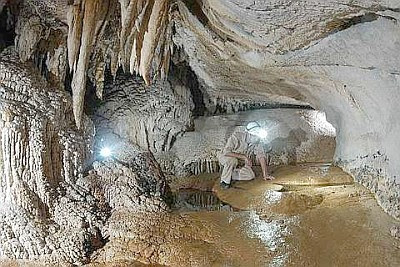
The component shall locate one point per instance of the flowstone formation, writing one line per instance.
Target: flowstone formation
(50, 211)
(130, 181)
(338, 56)
(175, 77)
(43, 214)
(150, 117)
(294, 136)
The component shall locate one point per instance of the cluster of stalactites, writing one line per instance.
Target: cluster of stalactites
(143, 46)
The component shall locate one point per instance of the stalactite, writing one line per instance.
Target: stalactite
(143, 45)
(83, 31)
(204, 166)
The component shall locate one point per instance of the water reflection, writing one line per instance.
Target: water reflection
(186, 200)
(272, 233)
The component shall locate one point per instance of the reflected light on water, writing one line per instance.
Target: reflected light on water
(271, 233)
(272, 197)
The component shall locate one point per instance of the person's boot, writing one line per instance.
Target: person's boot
(224, 185)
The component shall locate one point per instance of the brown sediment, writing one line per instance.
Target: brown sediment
(319, 224)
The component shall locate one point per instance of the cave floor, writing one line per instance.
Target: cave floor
(310, 215)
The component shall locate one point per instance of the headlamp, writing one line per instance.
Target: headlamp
(255, 128)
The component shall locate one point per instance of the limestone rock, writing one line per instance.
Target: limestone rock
(43, 215)
(395, 231)
(130, 179)
(294, 136)
(151, 117)
(338, 56)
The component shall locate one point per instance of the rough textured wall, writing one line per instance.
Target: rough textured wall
(43, 215)
(49, 210)
(151, 117)
(294, 136)
(339, 56)
(129, 180)
(95, 35)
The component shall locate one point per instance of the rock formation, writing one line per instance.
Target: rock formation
(338, 56)
(150, 117)
(130, 180)
(153, 75)
(294, 136)
(43, 215)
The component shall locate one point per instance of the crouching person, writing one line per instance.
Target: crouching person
(240, 146)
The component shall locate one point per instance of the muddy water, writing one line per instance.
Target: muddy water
(311, 215)
(186, 200)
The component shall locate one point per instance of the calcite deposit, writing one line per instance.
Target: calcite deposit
(130, 180)
(43, 214)
(162, 84)
(338, 56)
(294, 136)
(150, 117)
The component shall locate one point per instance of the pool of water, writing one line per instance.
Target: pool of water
(192, 200)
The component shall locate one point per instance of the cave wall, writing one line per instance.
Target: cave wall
(339, 56)
(43, 215)
(295, 136)
(151, 117)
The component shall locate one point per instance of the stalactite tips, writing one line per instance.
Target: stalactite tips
(142, 45)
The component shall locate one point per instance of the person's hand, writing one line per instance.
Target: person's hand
(248, 162)
(269, 178)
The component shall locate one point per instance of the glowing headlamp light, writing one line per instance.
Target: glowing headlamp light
(262, 133)
(256, 129)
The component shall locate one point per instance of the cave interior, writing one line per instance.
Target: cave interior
(114, 115)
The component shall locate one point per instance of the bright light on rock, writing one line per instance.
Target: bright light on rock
(105, 152)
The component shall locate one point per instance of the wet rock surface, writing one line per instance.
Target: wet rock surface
(332, 55)
(186, 200)
(298, 219)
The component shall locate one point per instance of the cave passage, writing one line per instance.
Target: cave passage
(199, 133)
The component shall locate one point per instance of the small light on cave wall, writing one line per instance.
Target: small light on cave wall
(105, 152)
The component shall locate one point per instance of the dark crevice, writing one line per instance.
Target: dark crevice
(340, 24)
(227, 108)
(8, 17)
(195, 7)
(188, 78)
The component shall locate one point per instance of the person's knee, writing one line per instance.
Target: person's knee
(228, 161)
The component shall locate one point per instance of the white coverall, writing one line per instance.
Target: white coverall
(241, 143)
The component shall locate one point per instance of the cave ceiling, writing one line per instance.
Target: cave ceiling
(260, 50)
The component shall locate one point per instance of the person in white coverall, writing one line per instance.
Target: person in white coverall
(240, 146)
